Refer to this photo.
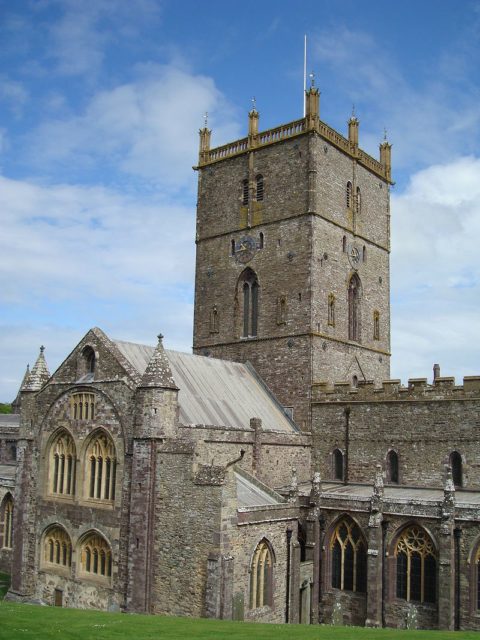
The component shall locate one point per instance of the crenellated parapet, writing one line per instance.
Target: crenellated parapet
(311, 123)
(442, 388)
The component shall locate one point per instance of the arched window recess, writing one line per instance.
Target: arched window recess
(249, 294)
(416, 565)
(348, 552)
(100, 468)
(6, 522)
(62, 465)
(261, 576)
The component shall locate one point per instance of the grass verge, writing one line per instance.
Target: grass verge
(44, 623)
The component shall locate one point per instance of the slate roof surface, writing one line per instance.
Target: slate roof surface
(214, 392)
(251, 494)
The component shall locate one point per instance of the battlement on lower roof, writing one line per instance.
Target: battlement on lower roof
(442, 388)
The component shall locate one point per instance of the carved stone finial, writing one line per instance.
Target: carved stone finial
(384, 134)
(42, 349)
(293, 491)
(449, 485)
(205, 119)
(160, 337)
(254, 103)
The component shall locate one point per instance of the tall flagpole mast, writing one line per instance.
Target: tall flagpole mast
(305, 75)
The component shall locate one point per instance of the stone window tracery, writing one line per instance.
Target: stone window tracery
(82, 406)
(349, 557)
(261, 576)
(249, 290)
(96, 556)
(7, 522)
(416, 566)
(62, 463)
(57, 547)
(101, 467)
(354, 295)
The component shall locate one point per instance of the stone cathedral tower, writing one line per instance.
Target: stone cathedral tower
(292, 268)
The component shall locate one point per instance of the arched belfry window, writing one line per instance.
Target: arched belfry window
(349, 194)
(331, 310)
(457, 472)
(261, 576)
(348, 551)
(100, 468)
(354, 296)
(89, 356)
(62, 461)
(416, 562)
(259, 188)
(249, 290)
(392, 467)
(245, 190)
(338, 465)
(6, 522)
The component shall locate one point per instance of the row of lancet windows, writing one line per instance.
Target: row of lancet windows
(259, 190)
(99, 465)
(352, 202)
(6, 522)
(94, 552)
(392, 467)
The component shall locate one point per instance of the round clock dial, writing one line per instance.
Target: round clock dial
(354, 256)
(245, 249)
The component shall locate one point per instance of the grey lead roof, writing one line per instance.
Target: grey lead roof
(214, 392)
(251, 494)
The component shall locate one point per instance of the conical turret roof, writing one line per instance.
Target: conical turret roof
(158, 373)
(39, 375)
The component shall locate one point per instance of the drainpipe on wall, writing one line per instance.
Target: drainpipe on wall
(287, 604)
(457, 533)
(347, 443)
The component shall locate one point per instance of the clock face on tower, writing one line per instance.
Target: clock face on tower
(245, 249)
(354, 256)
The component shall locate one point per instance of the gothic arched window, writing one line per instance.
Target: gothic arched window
(6, 522)
(95, 556)
(57, 547)
(338, 470)
(62, 459)
(249, 292)
(348, 551)
(354, 295)
(261, 576)
(100, 468)
(259, 188)
(392, 467)
(89, 356)
(456, 464)
(416, 566)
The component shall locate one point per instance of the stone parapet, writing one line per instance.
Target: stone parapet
(443, 388)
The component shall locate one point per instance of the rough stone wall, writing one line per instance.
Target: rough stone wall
(422, 425)
(270, 457)
(187, 529)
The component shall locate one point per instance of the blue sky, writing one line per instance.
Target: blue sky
(100, 106)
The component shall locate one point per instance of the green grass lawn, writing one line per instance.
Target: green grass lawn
(21, 621)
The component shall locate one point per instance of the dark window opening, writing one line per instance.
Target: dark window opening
(259, 194)
(338, 464)
(456, 464)
(392, 467)
(245, 192)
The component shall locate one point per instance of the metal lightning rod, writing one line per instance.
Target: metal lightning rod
(305, 76)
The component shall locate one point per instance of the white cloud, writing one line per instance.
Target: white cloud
(140, 128)
(436, 271)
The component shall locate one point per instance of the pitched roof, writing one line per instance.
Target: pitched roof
(214, 392)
